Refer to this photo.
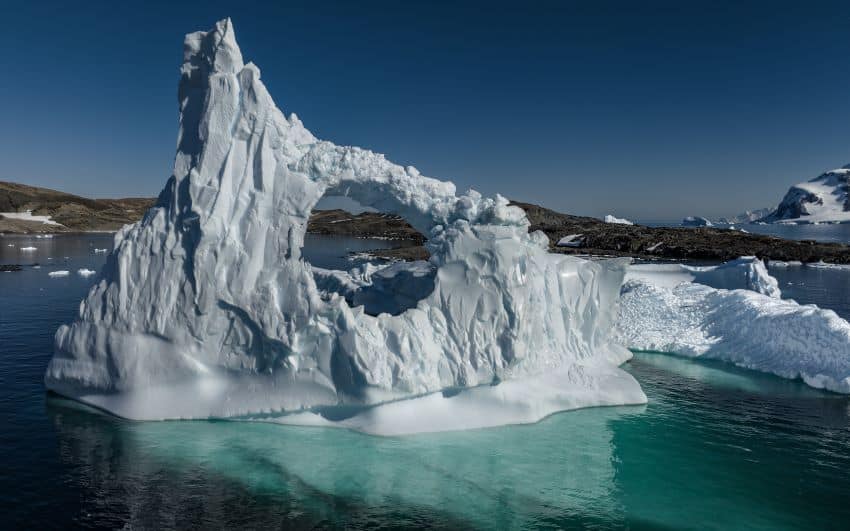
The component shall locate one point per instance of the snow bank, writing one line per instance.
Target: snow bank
(740, 326)
(619, 221)
(205, 307)
(61, 273)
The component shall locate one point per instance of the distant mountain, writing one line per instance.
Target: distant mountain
(823, 199)
(30, 209)
(748, 216)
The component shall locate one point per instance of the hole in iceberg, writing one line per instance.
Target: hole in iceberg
(367, 257)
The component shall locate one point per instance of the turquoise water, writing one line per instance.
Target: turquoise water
(716, 447)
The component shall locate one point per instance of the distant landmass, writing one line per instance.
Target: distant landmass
(29, 209)
(823, 199)
(749, 216)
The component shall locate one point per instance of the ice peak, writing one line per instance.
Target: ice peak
(216, 50)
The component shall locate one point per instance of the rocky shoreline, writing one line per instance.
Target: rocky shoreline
(67, 213)
(598, 238)
(591, 236)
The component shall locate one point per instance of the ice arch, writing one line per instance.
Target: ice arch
(206, 309)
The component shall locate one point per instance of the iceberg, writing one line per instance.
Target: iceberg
(206, 308)
(696, 221)
(733, 313)
(84, 272)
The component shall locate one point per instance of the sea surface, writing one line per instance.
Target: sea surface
(716, 447)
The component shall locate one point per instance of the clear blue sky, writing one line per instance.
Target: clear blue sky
(646, 110)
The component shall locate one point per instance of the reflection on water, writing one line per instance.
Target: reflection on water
(718, 446)
(148, 473)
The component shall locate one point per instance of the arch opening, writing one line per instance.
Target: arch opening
(370, 258)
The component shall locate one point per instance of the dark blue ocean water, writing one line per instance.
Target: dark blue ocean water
(716, 447)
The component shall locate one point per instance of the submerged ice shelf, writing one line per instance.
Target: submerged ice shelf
(206, 308)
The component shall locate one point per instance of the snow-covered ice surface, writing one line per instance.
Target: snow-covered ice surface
(823, 199)
(206, 309)
(661, 310)
(619, 221)
(28, 216)
(747, 272)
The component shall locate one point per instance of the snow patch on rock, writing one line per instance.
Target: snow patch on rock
(617, 221)
(28, 216)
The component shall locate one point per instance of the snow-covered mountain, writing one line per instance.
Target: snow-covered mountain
(823, 199)
(747, 216)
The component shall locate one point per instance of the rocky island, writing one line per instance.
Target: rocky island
(32, 210)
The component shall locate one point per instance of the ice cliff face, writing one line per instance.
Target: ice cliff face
(823, 199)
(206, 309)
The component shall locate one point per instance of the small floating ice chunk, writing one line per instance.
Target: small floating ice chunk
(99, 251)
(28, 249)
(782, 264)
(83, 272)
(61, 273)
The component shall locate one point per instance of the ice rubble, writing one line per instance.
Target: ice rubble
(733, 313)
(206, 309)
